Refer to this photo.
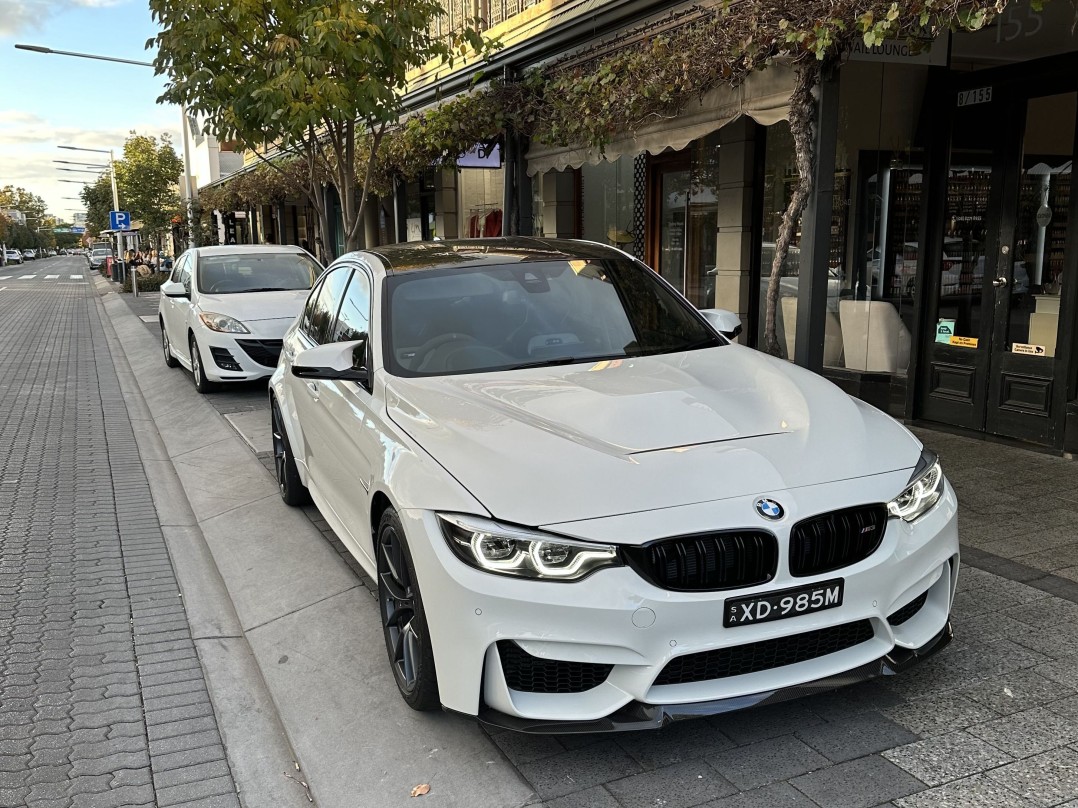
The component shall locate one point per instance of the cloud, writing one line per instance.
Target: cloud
(20, 16)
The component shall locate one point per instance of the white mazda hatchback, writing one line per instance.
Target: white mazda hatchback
(585, 507)
(224, 310)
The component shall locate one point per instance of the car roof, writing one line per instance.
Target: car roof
(248, 249)
(429, 255)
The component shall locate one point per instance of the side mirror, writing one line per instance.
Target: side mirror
(174, 289)
(725, 322)
(336, 361)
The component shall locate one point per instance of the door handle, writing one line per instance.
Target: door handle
(999, 283)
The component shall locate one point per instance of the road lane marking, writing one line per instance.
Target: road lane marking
(76, 277)
(27, 277)
(51, 277)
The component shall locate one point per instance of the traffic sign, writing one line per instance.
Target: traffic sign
(78, 230)
(119, 220)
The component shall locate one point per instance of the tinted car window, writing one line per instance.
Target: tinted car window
(255, 272)
(353, 320)
(322, 307)
(527, 314)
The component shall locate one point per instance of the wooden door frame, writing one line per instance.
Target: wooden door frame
(656, 165)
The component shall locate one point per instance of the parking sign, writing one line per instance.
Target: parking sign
(119, 220)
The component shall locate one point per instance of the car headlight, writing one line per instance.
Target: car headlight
(923, 492)
(522, 553)
(222, 322)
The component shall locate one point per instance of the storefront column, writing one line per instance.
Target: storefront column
(736, 201)
(816, 231)
(370, 222)
(559, 204)
(446, 210)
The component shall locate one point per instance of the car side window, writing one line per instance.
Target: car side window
(178, 268)
(322, 306)
(185, 273)
(353, 320)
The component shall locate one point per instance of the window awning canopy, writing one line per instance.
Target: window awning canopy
(764, 96)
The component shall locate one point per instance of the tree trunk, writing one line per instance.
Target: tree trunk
(802, 124)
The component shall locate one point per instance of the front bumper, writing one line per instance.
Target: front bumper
(615, 618)
(243, 357)
(638, 716)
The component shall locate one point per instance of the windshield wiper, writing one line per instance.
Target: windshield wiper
(270, 289)
(547, 363)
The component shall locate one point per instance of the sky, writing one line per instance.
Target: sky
(48, 100)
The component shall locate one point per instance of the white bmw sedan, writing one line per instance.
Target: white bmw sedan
(585, 507)
(224, 310)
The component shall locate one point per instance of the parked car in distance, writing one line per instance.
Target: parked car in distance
(29, 255)
(224, 310)
(585, 507)
(98, 256)
(13, 256)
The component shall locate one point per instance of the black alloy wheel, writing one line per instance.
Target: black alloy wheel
(404, 621)
(292, 489)
(202, 384)
(170, 360)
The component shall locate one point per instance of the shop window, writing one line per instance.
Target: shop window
(606, 202)
(779, 179)
(481, 199)
(872, 270)
(419, 204)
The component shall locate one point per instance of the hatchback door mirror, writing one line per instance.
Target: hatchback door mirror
(339, 361)
(725, 322)
(174, 289)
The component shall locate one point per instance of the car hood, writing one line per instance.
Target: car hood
(567, 443)
(251, 307)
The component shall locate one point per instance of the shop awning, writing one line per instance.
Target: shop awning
(764, 96)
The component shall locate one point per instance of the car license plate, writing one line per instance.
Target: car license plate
(783, 603)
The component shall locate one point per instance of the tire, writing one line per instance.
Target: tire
(404, 621)
(202, 384)
(292, 489)
(170, 360)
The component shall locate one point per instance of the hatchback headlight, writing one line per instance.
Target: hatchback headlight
(522, 553)
(222, 323)
(923, 492)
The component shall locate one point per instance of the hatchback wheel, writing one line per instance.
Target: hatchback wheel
(293, 491)
(170, 360)
(202, 384)
(404, 622)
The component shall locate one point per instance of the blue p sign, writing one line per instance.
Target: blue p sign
(119, 220)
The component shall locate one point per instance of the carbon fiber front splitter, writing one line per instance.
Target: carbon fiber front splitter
(638, 716)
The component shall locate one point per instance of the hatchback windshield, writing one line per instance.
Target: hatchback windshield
(256, 272)
(533, 314)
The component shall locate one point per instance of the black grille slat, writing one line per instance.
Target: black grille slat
(265, 352)
(223, 359)
(707, 561)
(754, 657)
(908, 611)
(530, 674)
(837, 539)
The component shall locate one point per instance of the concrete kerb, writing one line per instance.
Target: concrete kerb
(259, 752)
(316, 705)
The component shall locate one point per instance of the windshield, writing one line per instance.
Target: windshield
(478, 319)
(255, 272)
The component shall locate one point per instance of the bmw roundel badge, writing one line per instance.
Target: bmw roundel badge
(769, 509)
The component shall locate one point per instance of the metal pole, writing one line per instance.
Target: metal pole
(187, 181)
(119, 233)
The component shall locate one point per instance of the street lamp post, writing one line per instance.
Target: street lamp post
(115, 202)
(183, 116)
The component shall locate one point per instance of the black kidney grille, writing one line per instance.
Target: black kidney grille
(762, 656)
(530, 674)
(263, 351)
(707, 561)
(908, 611)
(837, 539)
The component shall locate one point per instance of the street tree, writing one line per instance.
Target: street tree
(321, 79)
(146, 179)
(98, 200)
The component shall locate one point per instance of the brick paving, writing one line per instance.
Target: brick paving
(102, 697)
(991, 722)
